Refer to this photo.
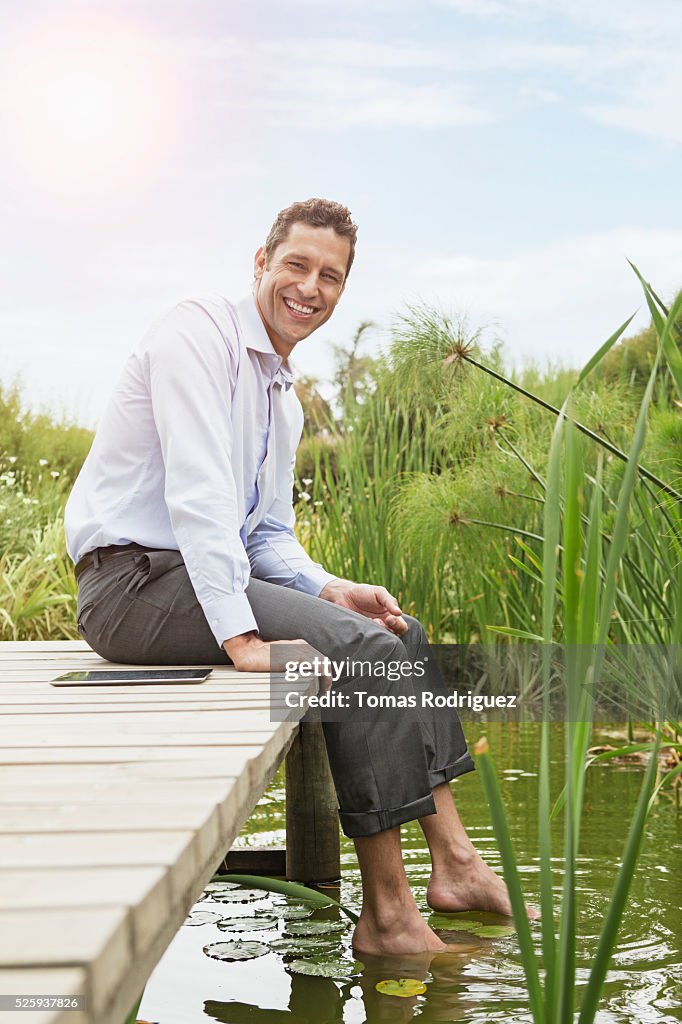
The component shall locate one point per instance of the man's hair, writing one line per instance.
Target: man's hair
(318, 213)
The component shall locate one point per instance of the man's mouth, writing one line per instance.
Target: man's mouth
(298, 308)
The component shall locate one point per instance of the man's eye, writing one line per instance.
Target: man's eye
(299, 266)
(331, 277)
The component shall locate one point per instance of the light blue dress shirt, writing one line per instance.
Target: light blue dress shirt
(195, 452)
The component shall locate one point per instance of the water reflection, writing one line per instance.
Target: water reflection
(480, 980)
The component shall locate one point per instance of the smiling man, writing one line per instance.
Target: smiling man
(182, 530)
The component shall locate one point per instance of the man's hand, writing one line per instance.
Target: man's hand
(373, 602)
(251, 654)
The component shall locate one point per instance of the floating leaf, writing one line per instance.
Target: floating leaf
(450, 923)
(303, 944)
(247, 924)
(291, 911)
(202, 917)
(314, 927)
(495, 931)
(220, 886)
(239, 896)
(403, 987)
(341, 969)
(236, 950)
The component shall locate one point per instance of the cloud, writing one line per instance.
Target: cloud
(335, 84)
(650, 106)
(621, 71)
(561, 299)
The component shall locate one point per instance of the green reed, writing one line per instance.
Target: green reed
(582, 565)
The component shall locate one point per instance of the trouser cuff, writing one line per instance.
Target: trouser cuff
(463, 764)
(368, 823)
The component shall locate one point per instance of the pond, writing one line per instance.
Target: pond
(484, 981)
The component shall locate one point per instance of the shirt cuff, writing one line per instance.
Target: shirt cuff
(313, 581)
(230, 616)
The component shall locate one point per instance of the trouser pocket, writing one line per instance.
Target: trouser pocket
(150, 566)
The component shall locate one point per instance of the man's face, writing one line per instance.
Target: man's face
(298, 290)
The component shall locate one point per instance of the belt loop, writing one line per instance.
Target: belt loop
(96, 558)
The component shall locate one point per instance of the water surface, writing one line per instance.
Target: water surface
(485, 981)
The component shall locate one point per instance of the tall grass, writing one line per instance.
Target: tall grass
(435, 486)
(581, 565)
(39, 457)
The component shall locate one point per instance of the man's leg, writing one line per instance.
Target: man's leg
(460, 878)
(142, 609)
(390, 922)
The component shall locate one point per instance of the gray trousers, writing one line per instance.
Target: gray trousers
(139, 607)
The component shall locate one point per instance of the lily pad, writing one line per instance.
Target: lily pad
(291, 911)
(237, 950)
(314, 927)
(341, 969)
(495, 931)
(202, 917)
(304, 944)
(220, 886)
(247, 924)
(239, 895)
(451, 923)
(402, 987)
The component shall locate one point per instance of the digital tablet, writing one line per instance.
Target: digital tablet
(132, 677)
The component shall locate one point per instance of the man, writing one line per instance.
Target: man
(181, 525)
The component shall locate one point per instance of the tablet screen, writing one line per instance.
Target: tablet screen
(127, 677)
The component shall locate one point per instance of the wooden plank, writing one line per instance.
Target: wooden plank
(89, 816)
(52, 791)
(144, 891)
(204, 841)
(81, 887)
(176, 851)
(41, 687)
(27, 669)
(50, 981)
(130, 738)
(38, 703)
(44, 645)
(255, 860)
(130, 754)
(230, 762)
(132, 707)
(98, 938)
(253, 718)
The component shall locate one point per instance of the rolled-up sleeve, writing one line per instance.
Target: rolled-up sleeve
(190, 369)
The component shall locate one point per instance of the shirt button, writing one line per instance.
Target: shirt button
(214, 622)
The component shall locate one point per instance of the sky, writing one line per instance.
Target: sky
(503, 159)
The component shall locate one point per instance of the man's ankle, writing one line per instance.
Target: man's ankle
(457, 857)
(383, 915)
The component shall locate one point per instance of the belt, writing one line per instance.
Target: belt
(101, 554)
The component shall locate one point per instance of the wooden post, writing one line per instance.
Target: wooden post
(313, 847)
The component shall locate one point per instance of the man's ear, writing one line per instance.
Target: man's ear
(259, 262)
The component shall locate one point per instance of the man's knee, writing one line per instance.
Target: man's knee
(415, 631)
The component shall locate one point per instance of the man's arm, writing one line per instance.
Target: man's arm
(189, 366)
(276, 556)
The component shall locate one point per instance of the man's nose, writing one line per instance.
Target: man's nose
(309, 286)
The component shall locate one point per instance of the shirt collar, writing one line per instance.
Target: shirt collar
(256, 338)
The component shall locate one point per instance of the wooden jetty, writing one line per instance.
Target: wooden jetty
(117, 804)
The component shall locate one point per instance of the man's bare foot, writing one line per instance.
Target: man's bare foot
(470, 885)
(395, 934)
